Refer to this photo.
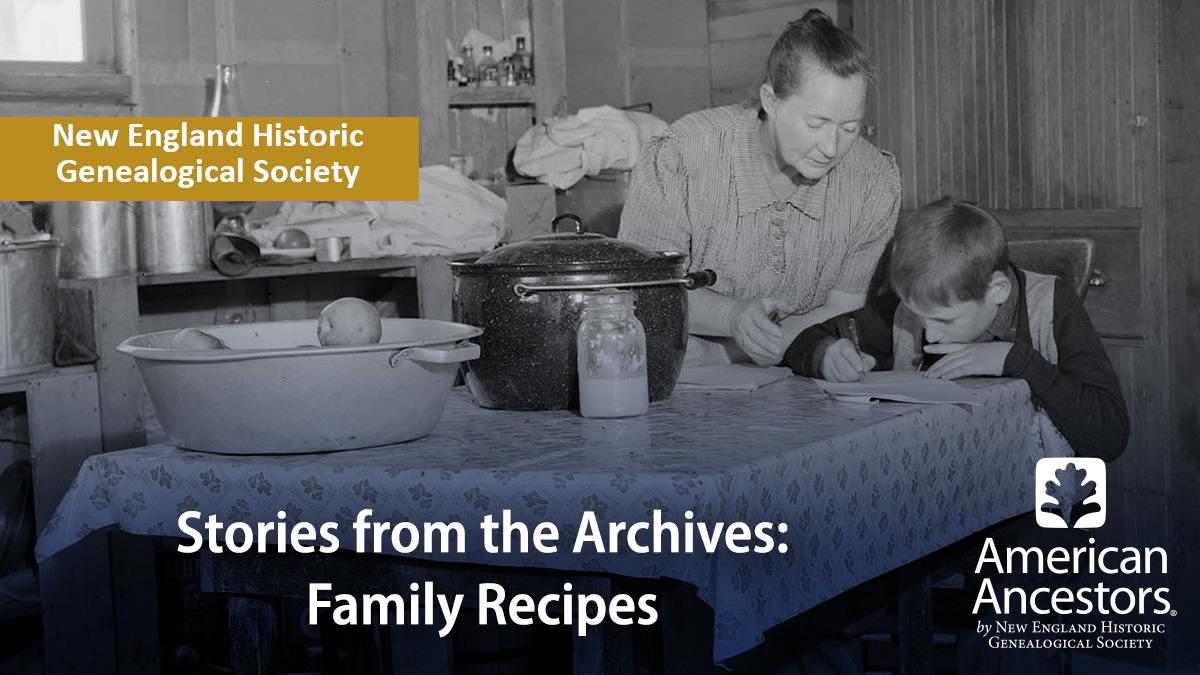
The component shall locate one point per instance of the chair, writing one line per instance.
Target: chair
(1069, 259)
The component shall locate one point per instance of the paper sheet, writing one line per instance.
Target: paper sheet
(730, 376)
(903, 386)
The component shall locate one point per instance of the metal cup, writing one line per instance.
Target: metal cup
(332, 249)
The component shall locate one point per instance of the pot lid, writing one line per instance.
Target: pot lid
(577, 250)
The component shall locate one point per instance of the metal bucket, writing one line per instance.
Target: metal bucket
(27, 303)
(98, 239)
(173, 237)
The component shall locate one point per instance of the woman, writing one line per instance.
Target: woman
(780, 196)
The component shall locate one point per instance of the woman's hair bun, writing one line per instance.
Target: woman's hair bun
(813, 15)
(813, 40)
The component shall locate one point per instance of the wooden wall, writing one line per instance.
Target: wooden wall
(740, 34)
(680, 55)
(625, 52)
(1015, 104)
(295, 57)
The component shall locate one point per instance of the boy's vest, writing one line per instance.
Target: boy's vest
(908, 341)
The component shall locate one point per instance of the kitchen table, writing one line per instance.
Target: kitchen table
(864, 489)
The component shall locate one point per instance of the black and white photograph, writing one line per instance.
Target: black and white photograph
(493, 337)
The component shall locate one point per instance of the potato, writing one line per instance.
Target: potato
(349, 321)
(193, 338)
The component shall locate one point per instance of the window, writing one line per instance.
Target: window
(41, 30)
(64, 50)
(59, 35)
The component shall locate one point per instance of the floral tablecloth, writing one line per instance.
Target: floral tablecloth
(863, 489)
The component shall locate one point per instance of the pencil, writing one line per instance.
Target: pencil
(852, 331)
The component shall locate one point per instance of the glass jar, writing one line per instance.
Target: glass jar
(489, 69)
(611, 356)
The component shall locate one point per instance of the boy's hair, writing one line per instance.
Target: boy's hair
(946, 252)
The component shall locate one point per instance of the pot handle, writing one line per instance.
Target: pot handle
(463, 351)
(701, 279)
(567, 216)
(690, 281)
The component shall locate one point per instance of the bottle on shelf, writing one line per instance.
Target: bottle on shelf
(489, 69)
(523, 62)
(509, 70)
(470, 73)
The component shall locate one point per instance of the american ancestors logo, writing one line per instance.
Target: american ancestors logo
(1070, 596)
(1070, 492)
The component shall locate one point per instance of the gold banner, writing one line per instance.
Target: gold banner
(209, 158)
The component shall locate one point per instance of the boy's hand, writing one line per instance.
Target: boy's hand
(753, 329)
(963, 360)
(843, 362)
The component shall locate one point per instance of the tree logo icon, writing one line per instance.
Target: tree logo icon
(1070, 492)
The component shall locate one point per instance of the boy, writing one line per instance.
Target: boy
(960, 308)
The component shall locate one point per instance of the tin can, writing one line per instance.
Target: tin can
(332, 249)
(174, 237)
(28, 288)
(99, 239)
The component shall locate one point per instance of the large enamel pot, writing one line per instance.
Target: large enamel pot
(527, 298)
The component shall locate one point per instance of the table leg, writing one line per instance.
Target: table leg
(686, 629)
(417, 649)
(916, 620)
(607, 648)
(77, 618)
(252, 635)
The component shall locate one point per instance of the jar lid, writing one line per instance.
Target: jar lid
(610, 298)
(578, 251)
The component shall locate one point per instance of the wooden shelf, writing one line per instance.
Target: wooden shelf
(447, 123)
(272, 271)
(474, 97)
(18, 383)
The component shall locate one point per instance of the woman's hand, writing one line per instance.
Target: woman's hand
(962, 360)
(751, 325)
(843, 362)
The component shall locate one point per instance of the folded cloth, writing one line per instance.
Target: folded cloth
(563, 150)
(234, 255)
(16, 220)
(453, 215)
